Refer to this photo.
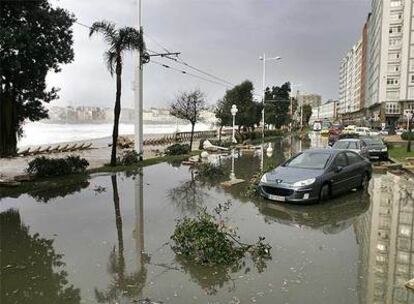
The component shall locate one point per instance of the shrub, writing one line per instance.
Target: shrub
(208, 170)
(129, 158)
(407, 135)
(178, 149)
(206, 240)
(47, 167)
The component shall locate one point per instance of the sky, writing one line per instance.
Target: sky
(222, 37)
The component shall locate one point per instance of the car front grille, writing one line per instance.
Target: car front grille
(277, 191)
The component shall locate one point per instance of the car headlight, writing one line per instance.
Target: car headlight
(384, 149)
(305, 182)
(263, 179)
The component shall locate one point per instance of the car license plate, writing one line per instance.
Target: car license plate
(277, 198)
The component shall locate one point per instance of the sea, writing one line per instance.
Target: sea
(41, 133)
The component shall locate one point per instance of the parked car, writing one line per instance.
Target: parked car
(376, 148)
(324, 132)
(364, 131)
(400, 131)
(349, 129)
(316, 174)
(353, 144)
(384, 131)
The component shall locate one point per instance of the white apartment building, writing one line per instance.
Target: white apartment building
(385, 59)
(326, 111)
(350, 80)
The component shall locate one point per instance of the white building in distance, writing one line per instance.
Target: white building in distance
(383, 59)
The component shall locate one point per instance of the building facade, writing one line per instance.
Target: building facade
(311, 99)
(326, 111)
(377, 75)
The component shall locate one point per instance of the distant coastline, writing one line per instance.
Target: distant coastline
(99, 122)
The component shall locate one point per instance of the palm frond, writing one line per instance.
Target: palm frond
(110, 60)
(130, 39)
(106, 28)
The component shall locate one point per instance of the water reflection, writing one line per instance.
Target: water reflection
(188, 196)
(210, 279)
(125, 285)
(31, 270)
(386, 238)
(330, 218)
(367, 241)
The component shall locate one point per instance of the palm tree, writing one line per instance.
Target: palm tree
(119, 40)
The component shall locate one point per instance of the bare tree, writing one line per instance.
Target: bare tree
(188, 106)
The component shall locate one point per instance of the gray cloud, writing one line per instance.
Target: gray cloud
(222, 37)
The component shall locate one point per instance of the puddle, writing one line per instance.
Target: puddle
(106, 241)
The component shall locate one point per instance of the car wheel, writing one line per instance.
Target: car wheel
(364, 182)
(324, 194)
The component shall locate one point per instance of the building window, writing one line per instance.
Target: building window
(412, 78)
(392, 108)
(396, 3)
(395, 41)
(392, 81)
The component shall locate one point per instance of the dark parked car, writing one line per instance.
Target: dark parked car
(376, 148)
(353, 144)
(316, 174)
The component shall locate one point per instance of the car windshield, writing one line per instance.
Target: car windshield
(341, 145)
(373, 141)
(309, 160)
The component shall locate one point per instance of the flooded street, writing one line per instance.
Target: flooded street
(108, 240)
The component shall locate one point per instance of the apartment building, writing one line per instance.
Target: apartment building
(311, 99)
(326, 111)
(377, 75)
(350, 80)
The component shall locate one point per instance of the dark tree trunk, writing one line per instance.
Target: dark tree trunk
(192, 135)
(117, 112)
(8, 126)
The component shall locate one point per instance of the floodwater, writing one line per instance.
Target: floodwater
(106, 240)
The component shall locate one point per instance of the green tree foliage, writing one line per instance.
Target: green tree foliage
(31, 271)
(307, 113)
(119, 41)
(249, 111)
(188, 106)
(277, 105)
(35, 38)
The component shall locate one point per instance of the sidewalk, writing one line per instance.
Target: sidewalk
(97, 157)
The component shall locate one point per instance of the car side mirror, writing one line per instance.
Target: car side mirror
(338, 169)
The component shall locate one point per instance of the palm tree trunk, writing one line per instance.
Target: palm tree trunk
(192, 135)
(117, 111)
(118, 222)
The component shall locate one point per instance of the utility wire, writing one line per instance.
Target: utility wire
(218, 80)
(188, 73)
(181, 61)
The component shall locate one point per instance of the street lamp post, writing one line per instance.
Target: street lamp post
(264, 59)
(234, 111)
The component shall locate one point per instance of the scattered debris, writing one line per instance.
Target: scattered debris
(410, 284)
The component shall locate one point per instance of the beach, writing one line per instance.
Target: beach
(40, 133)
